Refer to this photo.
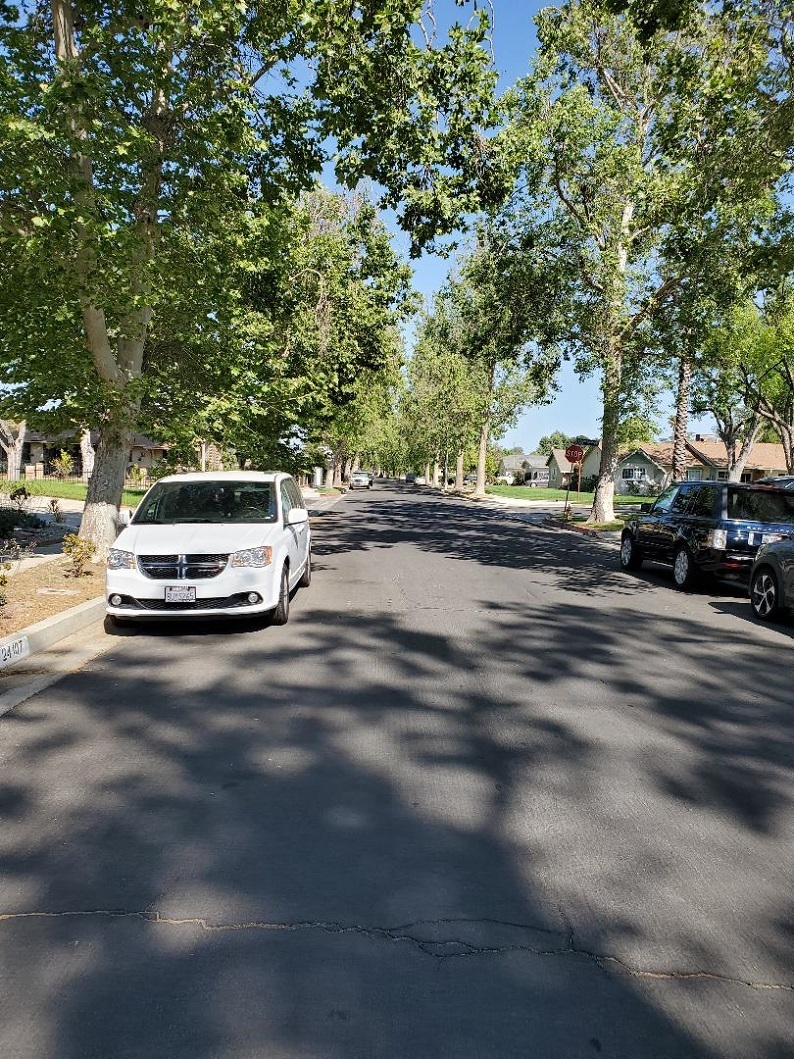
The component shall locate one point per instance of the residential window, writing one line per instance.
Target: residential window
(634, 473)
(694, 474)
(722, 476)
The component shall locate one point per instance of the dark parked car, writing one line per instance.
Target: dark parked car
(772, 581)
(782, 481)
(708, 528)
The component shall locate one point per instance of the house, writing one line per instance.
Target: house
(766, 459)
(560, 469)
(649, 467)
(531, 467)
(26, 453)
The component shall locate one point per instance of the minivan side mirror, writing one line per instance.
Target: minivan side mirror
(124, 519)
(645, 507)
(297, 516)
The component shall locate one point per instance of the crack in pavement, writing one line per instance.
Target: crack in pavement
(443, 949)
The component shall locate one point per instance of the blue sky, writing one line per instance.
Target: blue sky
(576, 408)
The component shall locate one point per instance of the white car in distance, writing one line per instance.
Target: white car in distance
(209, 545)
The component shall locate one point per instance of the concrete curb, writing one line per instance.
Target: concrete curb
(45, 633)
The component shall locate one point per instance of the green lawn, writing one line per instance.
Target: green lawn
(523, 492)
(66, 490)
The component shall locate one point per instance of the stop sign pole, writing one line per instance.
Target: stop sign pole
(574, 454)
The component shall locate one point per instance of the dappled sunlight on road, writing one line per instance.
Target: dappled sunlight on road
(489, 785)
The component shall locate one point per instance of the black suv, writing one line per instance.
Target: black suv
(707, 527)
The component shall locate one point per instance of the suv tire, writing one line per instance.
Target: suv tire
(765, 594)
(630, 555)
(684, 570)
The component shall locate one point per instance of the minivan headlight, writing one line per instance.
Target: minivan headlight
(120, 560)
(253, 557)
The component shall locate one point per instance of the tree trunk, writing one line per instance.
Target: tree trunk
(738, 461)
(100, 516)
(459, 472)
(482, 454)
(681, 420)
(603, 509)
(436, 473)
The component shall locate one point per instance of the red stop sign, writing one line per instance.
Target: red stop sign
(574, 454)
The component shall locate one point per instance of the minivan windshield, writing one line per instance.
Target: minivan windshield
(761, 505)
(168, 503)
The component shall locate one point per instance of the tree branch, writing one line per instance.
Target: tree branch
(650, 305)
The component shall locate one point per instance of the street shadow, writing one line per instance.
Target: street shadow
(379, 834)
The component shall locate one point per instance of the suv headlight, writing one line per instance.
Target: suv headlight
(120, 560)
(717, 539)
(253, 557)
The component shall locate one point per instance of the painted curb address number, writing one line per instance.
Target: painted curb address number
(13, 650)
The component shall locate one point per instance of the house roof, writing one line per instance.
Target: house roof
(558, 455)
(661, 453)
(513, 462)
(535, 461)
(765, 456)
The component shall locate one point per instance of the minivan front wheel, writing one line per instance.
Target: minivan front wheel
(306, 576)
(684, 571)
(765, 594)
(280, 615)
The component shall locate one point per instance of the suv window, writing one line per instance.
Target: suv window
(760, 506)
(704, 501)
(681, 501)
(664, 501)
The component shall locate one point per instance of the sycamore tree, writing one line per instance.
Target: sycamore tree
(638, 154)
(321, 297)
(137, 140)
(485, 323)
(747, 384)
(442, 403)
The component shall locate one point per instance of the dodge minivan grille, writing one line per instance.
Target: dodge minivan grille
(182, 567)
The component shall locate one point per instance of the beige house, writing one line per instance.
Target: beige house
(766, 459)
(560, 470)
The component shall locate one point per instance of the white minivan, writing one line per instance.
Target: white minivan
(215, 544)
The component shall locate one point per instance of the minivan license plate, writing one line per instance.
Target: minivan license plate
(180, 594)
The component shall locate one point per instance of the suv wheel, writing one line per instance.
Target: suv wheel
(630, 554)
(764, 594)
(280, 615)
(684, 571)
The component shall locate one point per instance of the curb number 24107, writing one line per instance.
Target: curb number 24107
(12, 650)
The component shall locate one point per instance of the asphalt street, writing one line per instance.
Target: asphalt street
(486, 795)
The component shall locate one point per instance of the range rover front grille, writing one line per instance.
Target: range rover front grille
(182, 567)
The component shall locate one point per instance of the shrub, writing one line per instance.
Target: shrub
(4, 568)
(9, 520)
(80, 552)
(11, 551)
(63, 464)
(20, 498)
(55, 509)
